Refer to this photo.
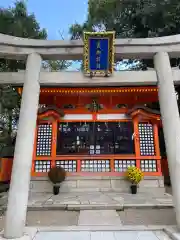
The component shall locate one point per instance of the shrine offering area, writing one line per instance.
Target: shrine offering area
(95, 134)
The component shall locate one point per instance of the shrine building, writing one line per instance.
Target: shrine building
(93, 123)
(95, 134)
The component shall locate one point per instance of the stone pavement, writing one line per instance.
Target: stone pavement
(109, 218)
(99, 218)
(113, 233)
(148, 217)
(71, 209)
(99, 200)
(95, 200)
(107, 215)
(99, 235)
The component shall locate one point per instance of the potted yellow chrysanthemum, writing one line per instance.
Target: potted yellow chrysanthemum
(134, 175)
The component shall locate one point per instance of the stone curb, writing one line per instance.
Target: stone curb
(99, 228)
(118, 207)
(73, 207)
(79, 207)
(96, 207)
(31, 232)
(172, 232)
(147, 206)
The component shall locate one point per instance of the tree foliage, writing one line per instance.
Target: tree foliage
(76, 30)
(15, 21)
(56, 65)
(133, 19)
(137, 18)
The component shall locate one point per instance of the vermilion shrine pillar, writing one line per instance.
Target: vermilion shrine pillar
(20, 179)
(171, 123)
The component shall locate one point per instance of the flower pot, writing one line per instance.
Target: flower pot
(133, 189)
(56, 190)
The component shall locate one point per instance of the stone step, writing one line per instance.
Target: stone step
(81, 207)
(98, 218)
(104, 220)
(98, 206)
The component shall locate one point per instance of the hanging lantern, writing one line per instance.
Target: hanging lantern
(94, 106)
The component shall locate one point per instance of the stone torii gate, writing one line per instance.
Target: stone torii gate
(34, 51)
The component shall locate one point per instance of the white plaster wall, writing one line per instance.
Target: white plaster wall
(78, 117)
(112, 116)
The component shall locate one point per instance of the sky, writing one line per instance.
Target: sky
(55, 15)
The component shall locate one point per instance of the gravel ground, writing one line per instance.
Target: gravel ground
(147, 217)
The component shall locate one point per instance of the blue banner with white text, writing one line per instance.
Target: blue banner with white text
(98, 53)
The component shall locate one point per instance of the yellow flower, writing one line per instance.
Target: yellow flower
(134, 175)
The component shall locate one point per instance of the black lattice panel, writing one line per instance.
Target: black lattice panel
(149, 165)
(44, 138)
(122, 165)
(68, 165)
(42, 166)
(146, 138)
(95, 166)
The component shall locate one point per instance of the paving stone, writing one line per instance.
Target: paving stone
(102, 235)
(48, 218)
(161, 235)
(173, 232)
(147, 236)
(106, 199)
(99, 217)
(38, 203)
(84, 202)
(119, 199)
(52, 218)
(49, 202)
(31, 231)
(126, 235)
(63, 235)
(57, 202)
(67, 202)
(169, 200)
(39, 196)
(98, 235)
(148, 217)
(1, 222)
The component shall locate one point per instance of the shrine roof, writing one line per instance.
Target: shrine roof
(50, 108)
(99, 90)
(146, 109)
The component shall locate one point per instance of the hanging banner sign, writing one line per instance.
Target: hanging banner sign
(98, 53)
